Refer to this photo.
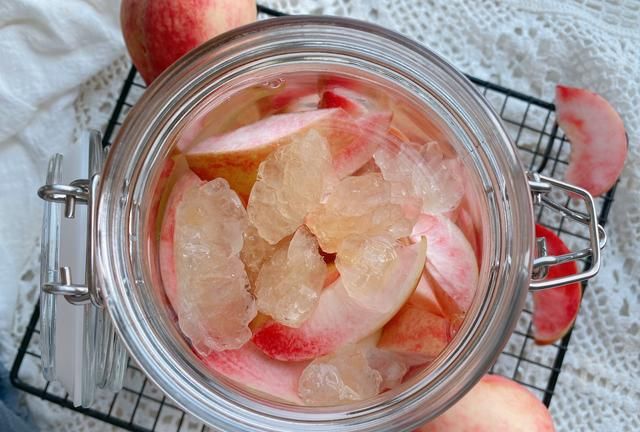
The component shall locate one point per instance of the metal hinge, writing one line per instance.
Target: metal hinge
(81, 191)
(540, 187)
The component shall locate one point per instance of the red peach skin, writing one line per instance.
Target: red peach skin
(250, 367)
(597, 137)
(451, 269)
(414, 331)
(495, 404)
(339, 319)
(555, 309)
(159, 32)
(343, 98)
(167, 230)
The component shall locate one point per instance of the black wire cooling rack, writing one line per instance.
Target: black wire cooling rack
(142, 407)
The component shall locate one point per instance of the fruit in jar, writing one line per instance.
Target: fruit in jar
(324, 270)
(236, 156)
(451, 268)
(250, 367)
(494, 404)
(348, 100)
(166, 256)
(214, 305)
(555, 309)
(416, 333)
(425, 298)
(159, 32)
(372, 134)
(237, 111)
(597, 137)
(338, 319)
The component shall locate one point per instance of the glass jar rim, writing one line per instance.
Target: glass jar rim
(142, 143)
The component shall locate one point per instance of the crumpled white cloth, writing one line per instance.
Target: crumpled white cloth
(47, 49)
(528, 45)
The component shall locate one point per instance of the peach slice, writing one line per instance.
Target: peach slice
(289, 96)
(494, 404)
(238, 110)
(236, 155)
(452, 269)
(415, 331)
(555, 309)
(464, 221)
(597, 137)
(372, 128)
(348, 100)
(305, 103)
(167, 263)
(338, 319)
(425, 298)
(250, 367)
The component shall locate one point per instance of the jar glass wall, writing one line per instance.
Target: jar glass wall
(283, 49)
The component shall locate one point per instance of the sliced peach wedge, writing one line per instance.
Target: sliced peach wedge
(250, 367)
(338, 319)
(494, 404)
(597, 137)
(236, 155)
(416, 333)
(452, 268)
(425, 298)
(555, 309)
(348, 100)
(185, 182)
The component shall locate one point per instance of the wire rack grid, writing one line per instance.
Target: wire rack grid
(142, 407)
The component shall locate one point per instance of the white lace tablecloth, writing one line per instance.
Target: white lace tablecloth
(63, 64)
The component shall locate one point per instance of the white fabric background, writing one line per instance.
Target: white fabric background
(62, 63)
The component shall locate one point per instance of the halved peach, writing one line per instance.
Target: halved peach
(555, 309)
(598, 140)
(494, 404)
(338, 319)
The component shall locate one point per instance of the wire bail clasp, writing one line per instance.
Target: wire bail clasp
(84, 192)
(540, 187)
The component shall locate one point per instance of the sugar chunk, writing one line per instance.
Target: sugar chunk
(290, 182)
(289, 283)
(214, 304)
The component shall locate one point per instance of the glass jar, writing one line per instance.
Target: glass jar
(127, 277)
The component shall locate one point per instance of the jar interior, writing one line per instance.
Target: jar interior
(300, 87)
